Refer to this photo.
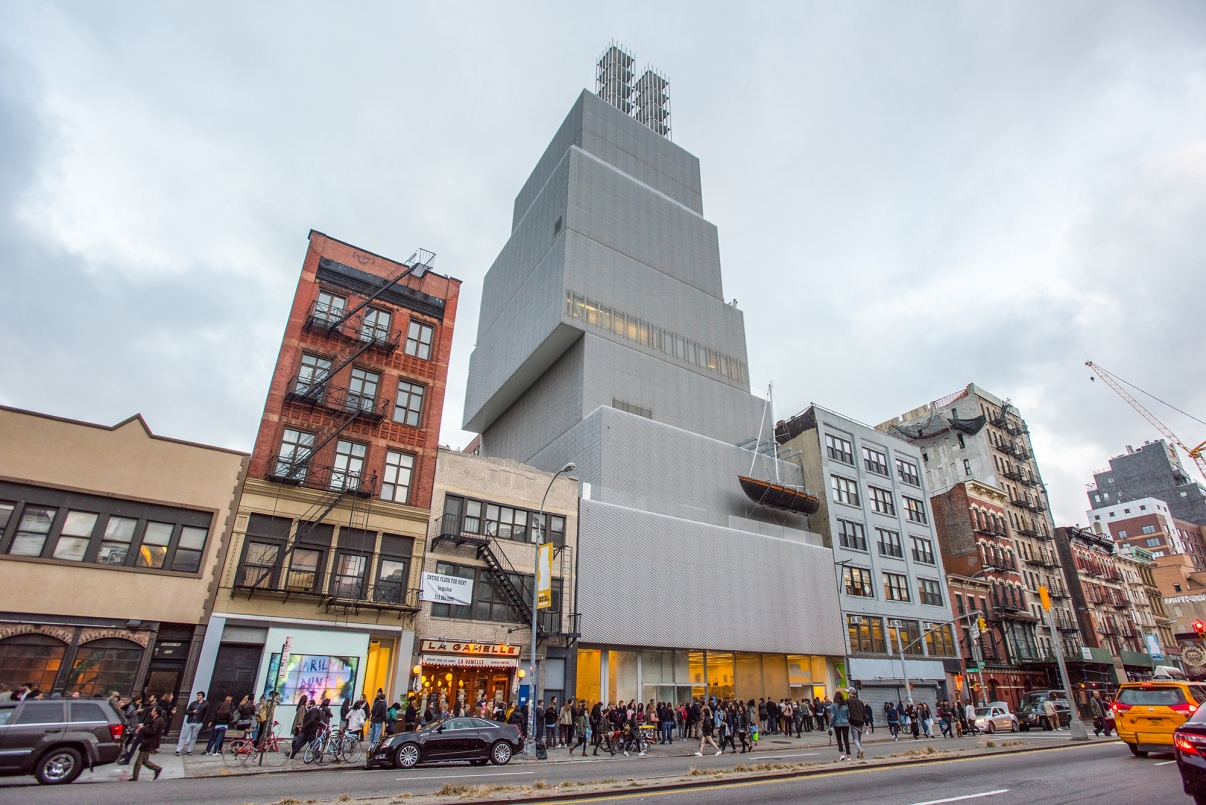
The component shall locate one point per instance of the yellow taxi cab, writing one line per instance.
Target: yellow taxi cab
(1147, 713)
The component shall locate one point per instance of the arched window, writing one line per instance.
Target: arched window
(105, 665)
(32, 658)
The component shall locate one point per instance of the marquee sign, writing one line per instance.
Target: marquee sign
(468, 648)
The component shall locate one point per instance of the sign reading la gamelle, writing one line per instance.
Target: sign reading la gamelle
(480, 649)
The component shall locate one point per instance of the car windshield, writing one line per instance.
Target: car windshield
(430, 727)
(1152, 697)
(983, 711)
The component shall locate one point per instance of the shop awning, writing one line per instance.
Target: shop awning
(1137, 659)
(469, 662)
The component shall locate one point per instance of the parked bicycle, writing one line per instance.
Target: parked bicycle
(269, 750)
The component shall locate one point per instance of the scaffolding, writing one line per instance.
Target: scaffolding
(653, 101)
(613, 77)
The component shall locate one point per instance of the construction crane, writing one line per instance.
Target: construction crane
(1116, 382)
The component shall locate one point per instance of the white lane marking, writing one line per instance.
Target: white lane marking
(450, 776)
(960, 799)
(1164, 763)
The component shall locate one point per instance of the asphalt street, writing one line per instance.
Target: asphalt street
(1103, 772)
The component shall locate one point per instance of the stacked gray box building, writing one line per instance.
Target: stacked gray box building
(1153, 471)
(605, 339)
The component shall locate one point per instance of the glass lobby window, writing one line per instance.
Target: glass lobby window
(409, 407)
(188, 549)
(349, 465)
(32, 658)
(396, 484)
(839, 449)
(875, 461)
(418, 340)
(155, 541)
(622, 676)
(105, 665)
(721, 675)
(590, 676)
(31, 532)
(303, 570)
(844, 490)
(852, 535)
(115, 547)
(311, 373)
(362, 390)
(910, 632)
(75, 536)
(375, 325)
(295, 451)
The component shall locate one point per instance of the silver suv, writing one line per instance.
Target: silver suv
(56, 739)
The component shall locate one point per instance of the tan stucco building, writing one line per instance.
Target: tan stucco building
(109, 538)
(483, 515)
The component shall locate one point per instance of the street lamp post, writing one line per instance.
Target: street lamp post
(898, 625)
(529, 746)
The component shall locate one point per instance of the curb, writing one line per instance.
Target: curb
(652, 789)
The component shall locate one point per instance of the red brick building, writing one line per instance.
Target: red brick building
(359, 379)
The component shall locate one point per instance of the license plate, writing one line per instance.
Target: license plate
(1155, 721)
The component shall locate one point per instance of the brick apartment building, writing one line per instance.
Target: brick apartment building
(328, 542)
(1148, 524)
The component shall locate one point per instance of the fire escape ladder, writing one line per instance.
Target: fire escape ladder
(420, 264)
(501, 571)
(327, 505)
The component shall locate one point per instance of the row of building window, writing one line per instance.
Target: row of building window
(839, 448)
(852, 534)
(314, 372)
(490, 600)
(867, 636)
(347, 471)
(469, 516)
(845, 490)
(374, 324)
(857, 581)
(75, 535)
(633, 329)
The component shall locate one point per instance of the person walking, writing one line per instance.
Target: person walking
(150, 734)
(195, 717)
(307, 731)
(298, 715)
(892, 716)
(707, 726)
(839, 720)
(857, 716)
(565, 724)
(219, 723)
(1099, 710)
(1050, 716)
(969, 715)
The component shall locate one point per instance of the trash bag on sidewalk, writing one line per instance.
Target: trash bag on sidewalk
(541, 752)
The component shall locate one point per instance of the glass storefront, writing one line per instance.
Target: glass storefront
(678, 675)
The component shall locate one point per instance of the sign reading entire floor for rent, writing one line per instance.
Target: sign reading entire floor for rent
(441, 589)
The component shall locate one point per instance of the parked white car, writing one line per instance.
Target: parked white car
(996, 717)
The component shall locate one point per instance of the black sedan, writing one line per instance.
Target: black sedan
(473, 739)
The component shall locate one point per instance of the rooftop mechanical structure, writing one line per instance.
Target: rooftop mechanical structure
(648, 99)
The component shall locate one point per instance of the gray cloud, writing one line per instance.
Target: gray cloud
(909, 199)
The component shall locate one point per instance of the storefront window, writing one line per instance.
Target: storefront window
(940, 642)
(103, 666)
(749, 676)
(589, 680)
(31, 658)
(695, 670)
(774, 676)
(621, 676)
(720, 674)
(910, 631)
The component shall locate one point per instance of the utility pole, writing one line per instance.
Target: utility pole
(898, 625)
(1075, 725)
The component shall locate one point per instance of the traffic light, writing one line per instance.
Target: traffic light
(983, 624)
(1200, 628)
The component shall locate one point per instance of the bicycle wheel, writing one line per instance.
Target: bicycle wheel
(325, 753)
(312, 752)
(236, 752)
(274, 753)
(350, 749)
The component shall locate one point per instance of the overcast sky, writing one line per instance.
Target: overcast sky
(910, 197)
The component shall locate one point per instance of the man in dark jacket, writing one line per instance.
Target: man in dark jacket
(857, 718)
(550, 725)
(377, 718)
(151, 733)
(411, 715)
(309, 728)
(195, 717)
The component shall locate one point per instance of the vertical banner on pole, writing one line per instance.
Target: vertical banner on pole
(544, 575)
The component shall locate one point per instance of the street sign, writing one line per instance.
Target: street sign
(974, 630)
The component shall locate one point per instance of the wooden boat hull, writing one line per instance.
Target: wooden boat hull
(788, 498)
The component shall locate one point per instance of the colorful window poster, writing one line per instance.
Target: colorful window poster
(315, 676)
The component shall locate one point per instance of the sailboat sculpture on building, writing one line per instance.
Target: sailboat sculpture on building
(775, 494)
